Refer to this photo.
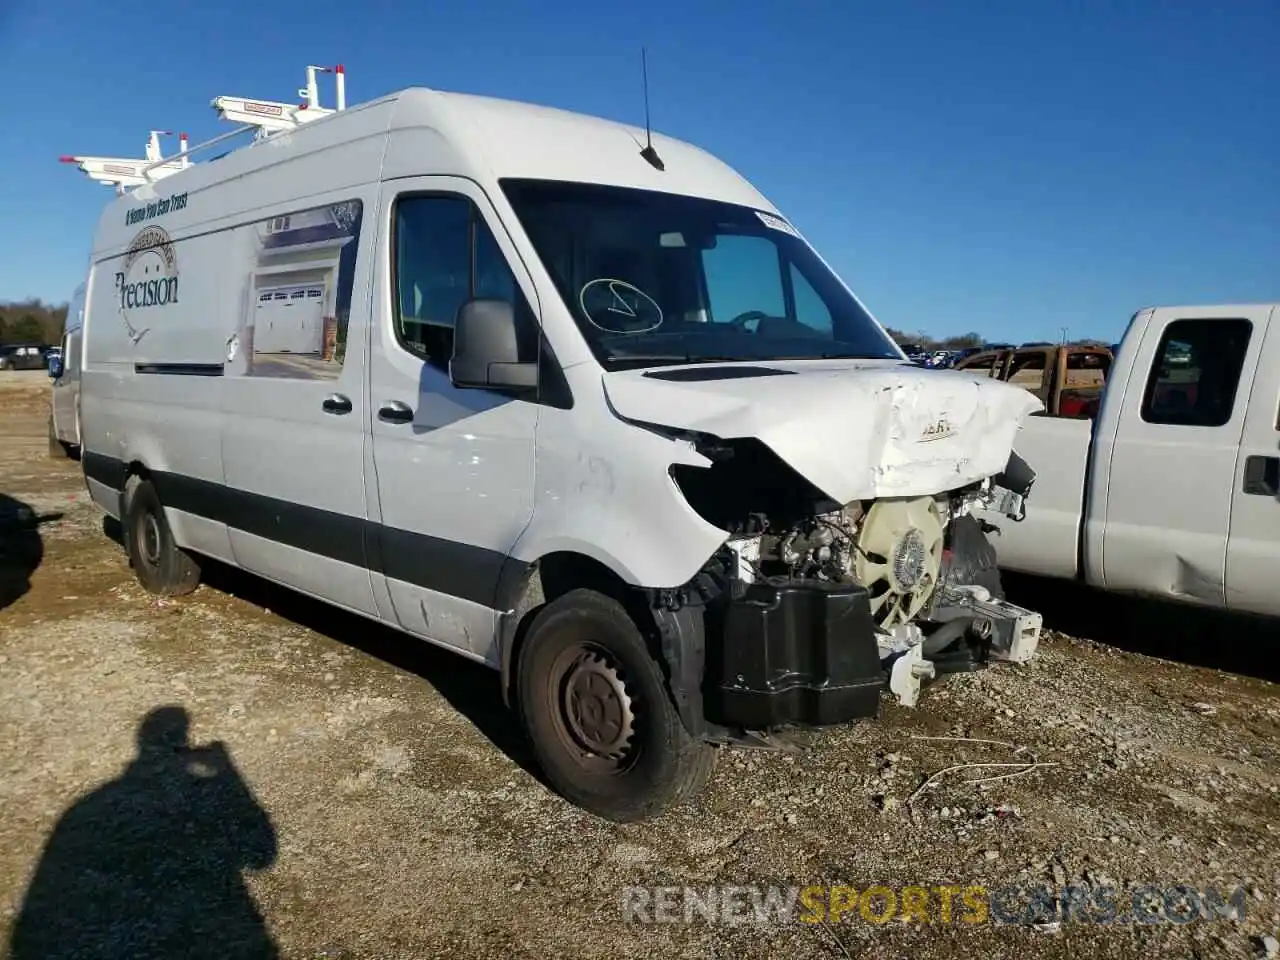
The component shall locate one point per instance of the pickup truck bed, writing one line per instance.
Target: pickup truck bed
(1047, 541)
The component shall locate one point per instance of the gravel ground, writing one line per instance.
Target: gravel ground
(348, 792)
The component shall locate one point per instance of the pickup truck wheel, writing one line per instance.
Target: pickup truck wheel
(595, 706)
(161, 566)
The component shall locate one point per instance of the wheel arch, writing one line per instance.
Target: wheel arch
(674, 638)
(132, 473)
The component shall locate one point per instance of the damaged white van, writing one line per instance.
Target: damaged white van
(588, 411)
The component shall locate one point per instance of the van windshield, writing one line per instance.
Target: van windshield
(654, 278)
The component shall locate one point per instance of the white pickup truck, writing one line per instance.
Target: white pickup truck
(1173, 491)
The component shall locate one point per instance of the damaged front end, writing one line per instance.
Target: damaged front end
(811, 608)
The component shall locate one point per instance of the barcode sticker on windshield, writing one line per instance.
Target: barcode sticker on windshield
(776, 223)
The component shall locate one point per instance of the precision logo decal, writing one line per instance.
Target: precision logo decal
(148, 278)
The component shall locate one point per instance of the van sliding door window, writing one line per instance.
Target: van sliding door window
(299, 278)
(446, 255)
(1196, 372)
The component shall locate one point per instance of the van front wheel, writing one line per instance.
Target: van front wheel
(595, 706)
(162, 567)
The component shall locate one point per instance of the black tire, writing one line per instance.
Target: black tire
(161, 566)
(584, 676)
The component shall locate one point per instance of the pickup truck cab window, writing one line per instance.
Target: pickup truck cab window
(1196, 372)
(987, 362)
(1027, 370)
(1087, 368)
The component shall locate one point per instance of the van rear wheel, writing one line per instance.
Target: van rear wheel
(595, 706)
(161, 566)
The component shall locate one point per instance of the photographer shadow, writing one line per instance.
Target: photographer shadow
(150, 864)
(21, 547)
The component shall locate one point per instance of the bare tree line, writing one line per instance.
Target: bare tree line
(31, 321)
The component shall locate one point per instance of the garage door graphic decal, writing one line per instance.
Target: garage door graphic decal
(298, 295)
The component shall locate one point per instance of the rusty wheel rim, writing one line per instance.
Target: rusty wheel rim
(594, 708)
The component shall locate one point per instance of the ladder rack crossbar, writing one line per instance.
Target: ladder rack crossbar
(205, 145)
(261, 117)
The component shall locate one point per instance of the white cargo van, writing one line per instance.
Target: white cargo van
(64, 372)
(597, 417)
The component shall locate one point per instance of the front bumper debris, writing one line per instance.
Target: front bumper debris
(808, 652)
(1008, 631)
(800, 652)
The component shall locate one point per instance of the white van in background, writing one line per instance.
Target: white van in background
(594, 415)
(64, 372)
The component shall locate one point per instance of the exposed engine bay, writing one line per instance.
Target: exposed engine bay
(932, 591)
(897, 549)
(893, 548)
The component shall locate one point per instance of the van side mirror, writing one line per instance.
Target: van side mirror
(486, 348)
(55, 366)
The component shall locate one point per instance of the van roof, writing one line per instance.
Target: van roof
(531, 140)
(420, 132)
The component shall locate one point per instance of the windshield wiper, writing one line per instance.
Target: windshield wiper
(645, 359)
(855, 356)
(656, 359)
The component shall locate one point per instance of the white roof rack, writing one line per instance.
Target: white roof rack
(268, 116)
(120, 173)
(263, 117)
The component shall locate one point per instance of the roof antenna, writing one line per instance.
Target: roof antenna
(650, 154)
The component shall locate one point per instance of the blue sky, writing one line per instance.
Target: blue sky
(1008, 167)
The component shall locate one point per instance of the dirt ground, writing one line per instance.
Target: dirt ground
(349, 792)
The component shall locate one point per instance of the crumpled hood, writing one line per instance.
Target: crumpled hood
(856, 429)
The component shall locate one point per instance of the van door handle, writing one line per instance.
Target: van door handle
(336, 403)
(395, 411)
(1262, 476)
